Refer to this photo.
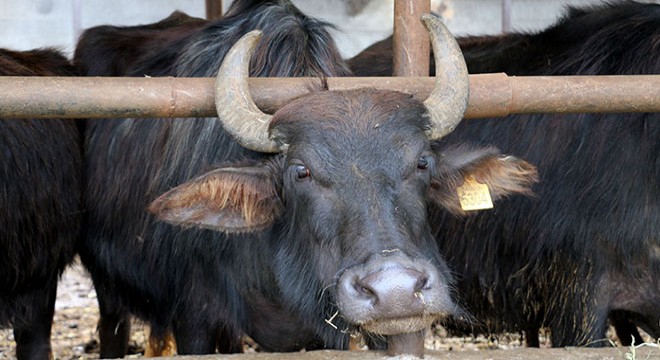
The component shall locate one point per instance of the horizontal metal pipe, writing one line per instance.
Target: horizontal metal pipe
(491, 95)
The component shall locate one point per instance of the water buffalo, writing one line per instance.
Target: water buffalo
(296, 249)
(142, 267)
(588, 245)
(341, 207)
(130, 50)
(40, 184)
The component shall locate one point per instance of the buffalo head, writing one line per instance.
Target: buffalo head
(345, 201)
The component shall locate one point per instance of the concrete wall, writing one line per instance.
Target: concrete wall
(463, 17)
(27, 24)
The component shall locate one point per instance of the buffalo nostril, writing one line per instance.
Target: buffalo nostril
(364, 290)
(422, 284)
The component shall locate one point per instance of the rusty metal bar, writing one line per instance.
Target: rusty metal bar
(491, 95)
(213, 9)
(411, 46)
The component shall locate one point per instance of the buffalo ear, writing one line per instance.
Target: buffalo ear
(232, 200)
(504, 175)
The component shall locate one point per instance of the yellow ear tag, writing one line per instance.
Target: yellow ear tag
(473, 195)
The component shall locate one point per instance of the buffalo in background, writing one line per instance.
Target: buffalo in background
(588, 245)
(176, 279)
(150, 48)
(40, 187)
(328, 237)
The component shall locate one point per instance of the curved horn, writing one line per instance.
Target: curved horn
(449, 98)
(239, 115)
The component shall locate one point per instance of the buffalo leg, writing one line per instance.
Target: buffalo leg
(32, 329)
(626, 324)
(625, 330)
(114, 332)
(228, 343)
(114, 326)
(194, 337)
(532, 337)
(582, 331)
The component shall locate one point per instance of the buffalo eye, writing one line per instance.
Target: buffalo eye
(423, 163)
(302, 172)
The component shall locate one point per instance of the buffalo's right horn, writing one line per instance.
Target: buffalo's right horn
(239, 115)
(448, 100)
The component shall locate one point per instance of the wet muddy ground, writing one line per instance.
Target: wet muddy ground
(74, 337)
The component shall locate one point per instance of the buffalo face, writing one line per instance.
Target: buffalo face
(344, 205)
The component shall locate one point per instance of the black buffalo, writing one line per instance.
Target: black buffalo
(40, 166)
(327, 237)
(123, 51)
(588, 246)
(139, 266)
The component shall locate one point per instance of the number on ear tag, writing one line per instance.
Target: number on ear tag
(473, 195)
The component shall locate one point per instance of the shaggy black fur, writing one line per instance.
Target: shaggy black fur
(170, 277)
(278, 283)
(588, 245)
(40, 165)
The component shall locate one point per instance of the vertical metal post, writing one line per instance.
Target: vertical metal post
(76, 16)
(411, 44)
(506, 16)
(213, 9)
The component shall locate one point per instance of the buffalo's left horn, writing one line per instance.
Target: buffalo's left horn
(448, 100)
(239, 115)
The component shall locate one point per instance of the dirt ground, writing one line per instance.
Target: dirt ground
(74, 336)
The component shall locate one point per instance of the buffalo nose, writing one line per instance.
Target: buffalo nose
(393, 295)
(391, 282)
(393, 290)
